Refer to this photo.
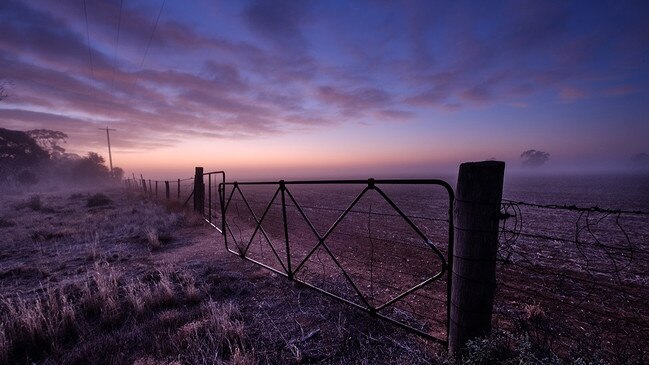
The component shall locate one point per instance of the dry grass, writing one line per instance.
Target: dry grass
(48, 326)
(98, 200)
(100, 286)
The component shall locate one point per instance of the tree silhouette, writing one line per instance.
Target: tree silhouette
(90, 168)
(19, 154)
(534, 158)
(19, 149)
(49, 140)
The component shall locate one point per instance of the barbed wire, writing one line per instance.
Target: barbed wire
(573, 207)
(592, 271)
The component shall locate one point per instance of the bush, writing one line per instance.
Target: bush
(98, 200)
(504, 347)
(34, 203)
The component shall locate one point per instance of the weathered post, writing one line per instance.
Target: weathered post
(167, 190)
(150, 188)
(477, 210)
(156, 188)
(144, 185)
(199, 191)
(178, 189)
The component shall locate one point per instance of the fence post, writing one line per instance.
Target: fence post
(156, 188)
(144, 185)
(477, 210)
(199, 191)
(167, 189)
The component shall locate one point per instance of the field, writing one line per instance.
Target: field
(120, 279)
(572, 284)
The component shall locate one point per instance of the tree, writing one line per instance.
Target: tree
(640, 160)
(49, 140)
(17, 149)
(90, 168)
(19, 155)
(118, 173)
(534, 158)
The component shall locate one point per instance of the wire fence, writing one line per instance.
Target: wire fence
(180, 190)
(183, 190)
(575, 279)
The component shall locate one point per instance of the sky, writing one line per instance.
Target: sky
(330, 88)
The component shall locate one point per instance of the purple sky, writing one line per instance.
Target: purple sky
(348, 87)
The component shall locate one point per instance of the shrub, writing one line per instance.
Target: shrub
(503, 347)
(34, 203)
(6, 223)
(98, 200)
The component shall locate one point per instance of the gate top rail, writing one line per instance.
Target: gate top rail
(355, 181)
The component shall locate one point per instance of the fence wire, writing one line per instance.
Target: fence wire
(575, 279)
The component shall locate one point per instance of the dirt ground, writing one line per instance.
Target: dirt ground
(172, 284)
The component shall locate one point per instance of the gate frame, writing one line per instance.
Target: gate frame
(447, 263)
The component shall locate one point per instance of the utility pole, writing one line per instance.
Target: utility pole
(110, 156)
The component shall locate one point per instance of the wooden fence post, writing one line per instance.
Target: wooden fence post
(156, 188)
(167, 189)
(144, 185)
(178, 189)
(477, 211)
(199, 191)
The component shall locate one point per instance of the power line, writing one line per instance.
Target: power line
(119, 24)
(146, 50)
(92, 70)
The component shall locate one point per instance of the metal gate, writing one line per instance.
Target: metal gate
(351, 241)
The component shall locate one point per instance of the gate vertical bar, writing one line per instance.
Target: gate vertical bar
(282, 187)
(199, 192)
(477, 210)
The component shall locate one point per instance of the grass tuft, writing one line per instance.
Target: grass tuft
(6, 223)
(98, 200)
(33, 202)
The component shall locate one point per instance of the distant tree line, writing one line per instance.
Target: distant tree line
(31, 156)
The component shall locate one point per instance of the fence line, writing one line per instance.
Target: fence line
(589, 279)
(574, 278)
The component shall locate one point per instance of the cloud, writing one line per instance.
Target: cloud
(266, 68)
(568, 93)
(279, 20)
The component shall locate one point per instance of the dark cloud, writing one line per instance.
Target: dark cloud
(278, 20)
(356, 101)
(534, 158)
